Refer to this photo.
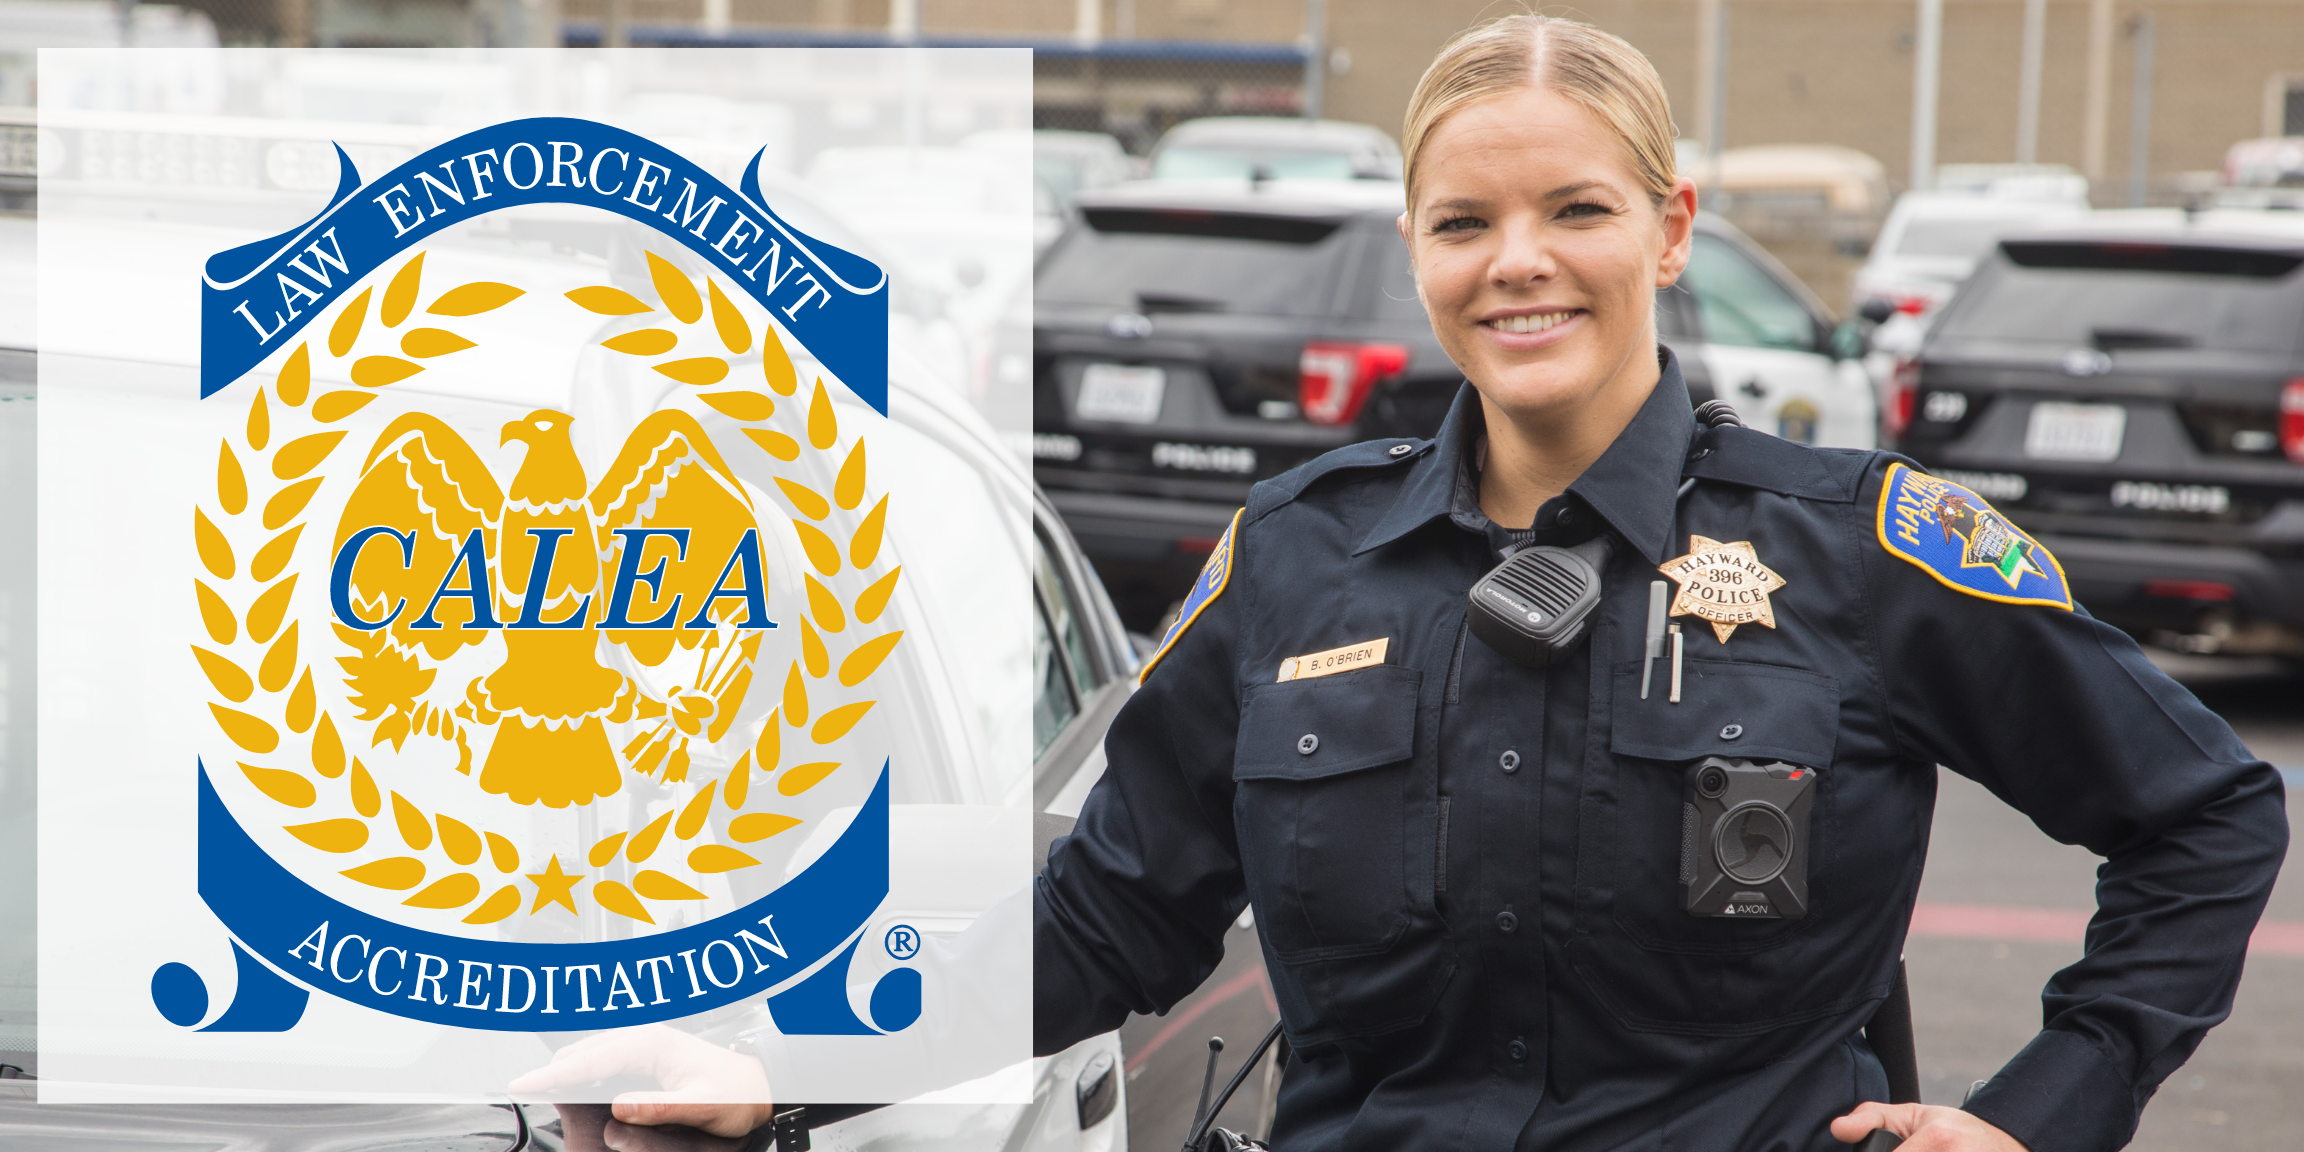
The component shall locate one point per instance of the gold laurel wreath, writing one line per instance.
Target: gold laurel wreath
(280, 673)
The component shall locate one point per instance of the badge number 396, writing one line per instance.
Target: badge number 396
(1723, 583)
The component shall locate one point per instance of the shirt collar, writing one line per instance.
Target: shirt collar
(1633, 485)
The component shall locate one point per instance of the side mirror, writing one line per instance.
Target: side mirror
(1875, 310)
(1849, 341)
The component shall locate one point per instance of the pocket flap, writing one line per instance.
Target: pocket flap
(1727, 708)
(1307, 729)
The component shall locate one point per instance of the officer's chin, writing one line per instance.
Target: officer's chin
(1543, 389)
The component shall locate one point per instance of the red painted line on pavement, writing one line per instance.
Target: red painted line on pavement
(2064, 926)
(2000, 922)
(2277, 938)
(1252, 978)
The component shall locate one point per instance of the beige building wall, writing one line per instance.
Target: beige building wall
(1840, 72)
(992, 17)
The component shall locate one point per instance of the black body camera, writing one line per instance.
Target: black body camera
(1744, 839)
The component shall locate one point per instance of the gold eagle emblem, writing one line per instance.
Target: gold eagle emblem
(432, 551)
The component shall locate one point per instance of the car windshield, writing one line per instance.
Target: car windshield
(1060, 173)
(1739, 303)
(1162, 260)
(1240, 161)
(1965, 237)
(2135, 296)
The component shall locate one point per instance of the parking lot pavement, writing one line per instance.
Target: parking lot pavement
(2002, 907)
(1168, 1055)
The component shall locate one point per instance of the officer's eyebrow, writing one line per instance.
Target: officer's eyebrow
(1474, 204)
(1566, 190)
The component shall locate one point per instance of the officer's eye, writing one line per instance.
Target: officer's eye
(1458, 224)
(1586, 210)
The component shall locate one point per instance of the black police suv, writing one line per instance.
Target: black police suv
(1191, 338)
(2131, 392)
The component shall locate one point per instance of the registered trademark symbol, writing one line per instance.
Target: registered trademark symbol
(903, 941)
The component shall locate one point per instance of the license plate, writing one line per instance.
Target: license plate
(2060, 431)
(1125, 393)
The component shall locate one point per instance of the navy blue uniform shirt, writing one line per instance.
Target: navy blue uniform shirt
(1466, 871)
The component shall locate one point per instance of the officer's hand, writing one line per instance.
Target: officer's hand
(703, 1086)
(1925, 1128)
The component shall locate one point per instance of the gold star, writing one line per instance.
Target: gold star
(553, 887)
(1725, 584)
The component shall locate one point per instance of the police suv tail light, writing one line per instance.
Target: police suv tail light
(2292, 420)
(1903, 392)
(1334, 379)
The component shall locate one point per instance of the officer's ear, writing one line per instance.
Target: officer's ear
(1678, 220)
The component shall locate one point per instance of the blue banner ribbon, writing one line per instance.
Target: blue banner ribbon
(507, 986)
(256, 297)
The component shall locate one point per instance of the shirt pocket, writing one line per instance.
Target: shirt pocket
(1655, 966)
(1322, 768)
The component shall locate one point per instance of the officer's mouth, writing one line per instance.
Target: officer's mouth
(1524, 329)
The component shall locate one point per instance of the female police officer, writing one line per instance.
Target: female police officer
(1477, 877)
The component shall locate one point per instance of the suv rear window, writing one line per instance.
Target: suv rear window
(1965, 237)
(1238, 162)
(1165, 260)
(2131, 296)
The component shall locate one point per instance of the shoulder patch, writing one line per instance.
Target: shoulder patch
(1210, 584)
(1959, 539)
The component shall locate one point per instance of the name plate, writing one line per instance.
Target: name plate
(1362, 655)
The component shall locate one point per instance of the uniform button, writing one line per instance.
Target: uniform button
(1509, 761)
(1307, 745)
(1566, 516)
(1732, 731)
(1402, 449)
(1518, 1051)
(1506, 921)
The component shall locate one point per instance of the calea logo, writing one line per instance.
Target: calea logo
(489, 702)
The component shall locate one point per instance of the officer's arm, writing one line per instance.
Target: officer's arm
(2061, 716)
(1131, 912)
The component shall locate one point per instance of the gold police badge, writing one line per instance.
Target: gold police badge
(1725, 584)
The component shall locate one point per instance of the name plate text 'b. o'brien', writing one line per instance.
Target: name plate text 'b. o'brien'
(1334, 660)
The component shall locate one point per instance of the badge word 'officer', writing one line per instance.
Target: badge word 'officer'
(1725, 584)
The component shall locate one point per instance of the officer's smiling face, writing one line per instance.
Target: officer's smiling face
(1538, 253)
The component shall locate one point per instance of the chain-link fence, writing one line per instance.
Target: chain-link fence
(1136, 91)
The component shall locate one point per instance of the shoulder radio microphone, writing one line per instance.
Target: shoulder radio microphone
(1536, 606)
